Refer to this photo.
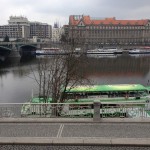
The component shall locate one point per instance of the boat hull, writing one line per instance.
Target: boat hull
(104, 51)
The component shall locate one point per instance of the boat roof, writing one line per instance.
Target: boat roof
(106, 88)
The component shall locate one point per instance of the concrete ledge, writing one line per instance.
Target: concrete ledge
(45, 120)
(75, 141)
(74, 120)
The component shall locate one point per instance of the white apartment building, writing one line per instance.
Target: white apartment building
(17, 28)
(20, 28)
(18, 20)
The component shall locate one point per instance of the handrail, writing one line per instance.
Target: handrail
(78, 103)
(43, 103)
(88, 109)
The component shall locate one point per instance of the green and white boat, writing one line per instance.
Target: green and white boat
(108, 93)
(84, 96)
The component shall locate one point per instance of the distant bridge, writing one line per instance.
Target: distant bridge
(18, 45)
(16, 49)
(22, 48)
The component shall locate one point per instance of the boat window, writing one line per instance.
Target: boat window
(82, 95)
(75, 95)
(132, 94)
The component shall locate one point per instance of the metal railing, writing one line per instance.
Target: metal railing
(125, 110)
(74, 110)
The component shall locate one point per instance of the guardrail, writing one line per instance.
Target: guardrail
(95, 110)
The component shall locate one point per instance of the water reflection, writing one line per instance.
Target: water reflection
(139, 55)
(123, 69)
(16, 81)
(102, 56)
(121, 65)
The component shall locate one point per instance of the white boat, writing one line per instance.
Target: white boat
(144, 50)
(105, 51)
(115, 50)
(39, 52)
(50, 51)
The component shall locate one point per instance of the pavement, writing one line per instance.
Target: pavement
(75, 131)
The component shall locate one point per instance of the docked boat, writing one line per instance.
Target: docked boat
(110, 93)
(115, 50)
(50, 51)
(143, 50)
(121, 99)
(105, 51)
(40, 52)
(106, 93)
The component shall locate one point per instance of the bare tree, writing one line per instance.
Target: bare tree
(56, 73)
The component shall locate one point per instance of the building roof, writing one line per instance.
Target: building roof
(87, 20)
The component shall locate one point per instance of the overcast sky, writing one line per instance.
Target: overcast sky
(50, 11)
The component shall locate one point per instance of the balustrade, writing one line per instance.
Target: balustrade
(94, 110)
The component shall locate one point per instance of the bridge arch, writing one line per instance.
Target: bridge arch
(27, 50)
(28, 46)
(4, 52)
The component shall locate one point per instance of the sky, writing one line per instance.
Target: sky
(50, 11)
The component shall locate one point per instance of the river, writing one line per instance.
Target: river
(17, 84)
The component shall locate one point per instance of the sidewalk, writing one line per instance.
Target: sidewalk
(75, 131)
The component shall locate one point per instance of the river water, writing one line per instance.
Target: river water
(17, 84)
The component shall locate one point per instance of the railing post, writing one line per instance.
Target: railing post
(96, 115)
(147, 104)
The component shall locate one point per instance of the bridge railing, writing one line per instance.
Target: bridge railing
(74, 110)
(19, 43)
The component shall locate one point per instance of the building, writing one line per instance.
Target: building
(42, 31)
(66, 30)
(108, 31)
(18, 20)
(56, 33)
(17, 28)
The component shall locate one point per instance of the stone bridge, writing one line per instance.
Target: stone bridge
(38, 45)
(22, 48)
(18, 45)
(7, 48)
